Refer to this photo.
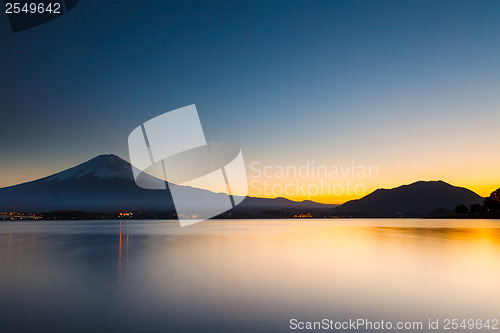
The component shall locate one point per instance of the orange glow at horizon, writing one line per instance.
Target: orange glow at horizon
(349, 180)
(483, 190)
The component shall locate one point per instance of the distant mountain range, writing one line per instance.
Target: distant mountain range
(415, 200)
(106, 183)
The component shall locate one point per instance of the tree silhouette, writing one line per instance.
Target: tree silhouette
(461, 209)
(477, 209)
(492, 203)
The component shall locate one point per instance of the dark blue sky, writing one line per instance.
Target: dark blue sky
(378, 82)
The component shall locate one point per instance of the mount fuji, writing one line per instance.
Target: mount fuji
(105, 184)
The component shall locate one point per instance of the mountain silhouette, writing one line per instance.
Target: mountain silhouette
(416, 200)
(103, 183)
(106, 183)
(103, 167)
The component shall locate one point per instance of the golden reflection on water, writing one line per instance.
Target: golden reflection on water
(127, 237)
(408, 267)
(120, 252)
(9, 245)
(273, 268)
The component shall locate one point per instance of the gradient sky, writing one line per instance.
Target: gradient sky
(412, 87)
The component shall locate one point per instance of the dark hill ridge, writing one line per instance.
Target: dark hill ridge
(417, 199)
(105, 183)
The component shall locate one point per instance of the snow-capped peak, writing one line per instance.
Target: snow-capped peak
(103, 167)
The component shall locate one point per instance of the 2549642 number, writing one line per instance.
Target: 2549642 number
(471, 324)
(32, 8)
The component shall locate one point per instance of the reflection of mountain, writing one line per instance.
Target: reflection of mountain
(105, 183)
(417, 199)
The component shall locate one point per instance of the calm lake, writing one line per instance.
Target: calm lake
(245, 275)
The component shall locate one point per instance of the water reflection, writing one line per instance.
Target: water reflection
(120, 253)
(243, 275)
(123, 234)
